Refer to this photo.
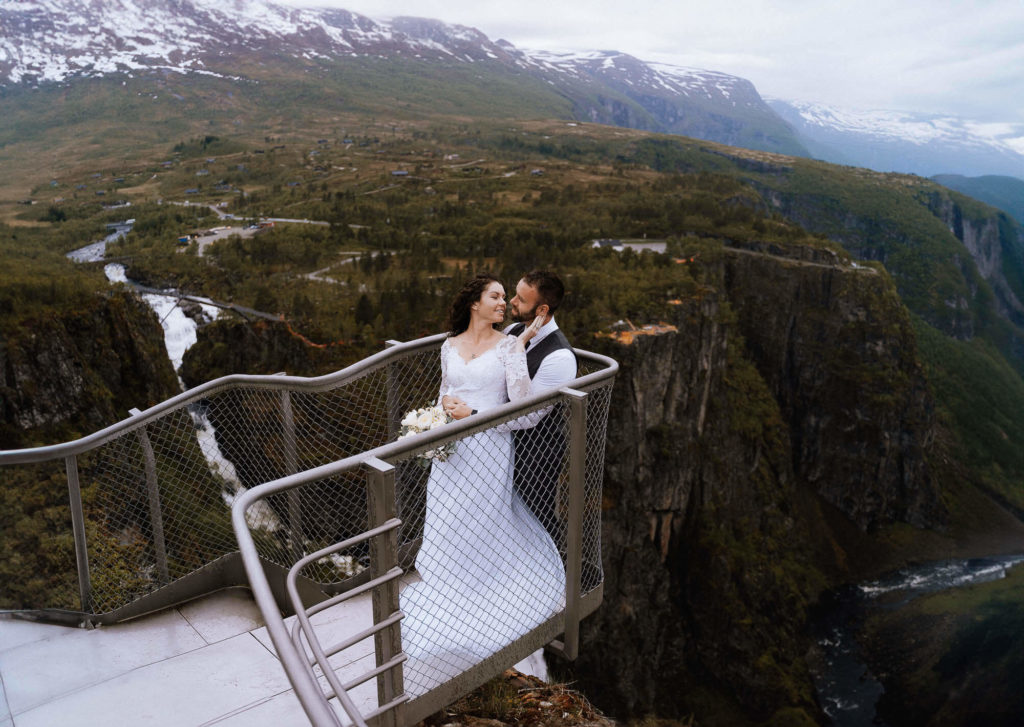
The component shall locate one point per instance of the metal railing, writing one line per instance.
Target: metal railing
(327, 505)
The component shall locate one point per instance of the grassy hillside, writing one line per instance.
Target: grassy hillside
(409, 204)
(953, 658)
(115, 123)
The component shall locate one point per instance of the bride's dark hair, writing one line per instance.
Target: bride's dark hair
(472, 291)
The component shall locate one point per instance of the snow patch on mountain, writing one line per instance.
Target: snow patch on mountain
(55, 40)
(916, 128)
(645, 76)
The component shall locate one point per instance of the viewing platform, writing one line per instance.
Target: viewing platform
(206, 662)
(246, 553)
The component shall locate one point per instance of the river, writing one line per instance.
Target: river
(846, 689)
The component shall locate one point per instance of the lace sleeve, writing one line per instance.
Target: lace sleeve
(517, 376)
(446, 387)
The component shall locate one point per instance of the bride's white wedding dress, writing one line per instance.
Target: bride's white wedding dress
(490, 572)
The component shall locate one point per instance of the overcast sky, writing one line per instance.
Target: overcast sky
(964, 58)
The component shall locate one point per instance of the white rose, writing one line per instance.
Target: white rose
(410, 419)
(423, 419)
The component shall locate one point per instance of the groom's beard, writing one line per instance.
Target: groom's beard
(525, 316)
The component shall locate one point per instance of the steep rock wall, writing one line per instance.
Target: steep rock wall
(835, 346)
(995, 245)
(71, 373)
(789, 382)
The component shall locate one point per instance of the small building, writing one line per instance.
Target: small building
(399, 173)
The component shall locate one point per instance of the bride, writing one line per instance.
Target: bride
(489, 570)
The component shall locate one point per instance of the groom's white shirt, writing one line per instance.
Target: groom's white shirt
(556, 370)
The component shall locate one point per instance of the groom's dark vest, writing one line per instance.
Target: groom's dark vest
(540, 451)
(535, 354)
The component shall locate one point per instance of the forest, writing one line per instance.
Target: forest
(373, 232)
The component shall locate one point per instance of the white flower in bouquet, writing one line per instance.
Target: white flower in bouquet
(423, 420)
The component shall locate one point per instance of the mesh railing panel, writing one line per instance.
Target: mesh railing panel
(156, 497)
(488, 566)
(37, 563)
(483, 537)
(597, 425)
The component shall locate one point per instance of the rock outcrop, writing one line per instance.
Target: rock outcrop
(790, 383)
(995, 245)
(835, 346)
(69, 374)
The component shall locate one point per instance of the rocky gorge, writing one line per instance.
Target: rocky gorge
(789, 393)
(774, 431)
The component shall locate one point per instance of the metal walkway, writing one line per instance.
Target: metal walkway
(328, 513)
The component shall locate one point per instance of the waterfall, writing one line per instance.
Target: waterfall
(179, 335)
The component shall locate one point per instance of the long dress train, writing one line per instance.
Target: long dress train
(490, 572)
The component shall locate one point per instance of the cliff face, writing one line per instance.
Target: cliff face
(72, 373)
(834, 345)
(958, 264)
(995, 245)
(790, 381)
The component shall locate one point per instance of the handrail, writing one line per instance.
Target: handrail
(295, 663)
(33, 455)
(156, 465)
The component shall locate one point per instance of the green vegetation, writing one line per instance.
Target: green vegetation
(982, 399)
(1005, 193)
(36, 277)
(504, 197)
(409, 205)
(953, 658)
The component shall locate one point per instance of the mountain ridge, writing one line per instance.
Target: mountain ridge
(907, 142)
(59, 41)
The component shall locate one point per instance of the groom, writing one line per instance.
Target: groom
(539, 443)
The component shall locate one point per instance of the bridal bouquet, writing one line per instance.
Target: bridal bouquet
(423, 420)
